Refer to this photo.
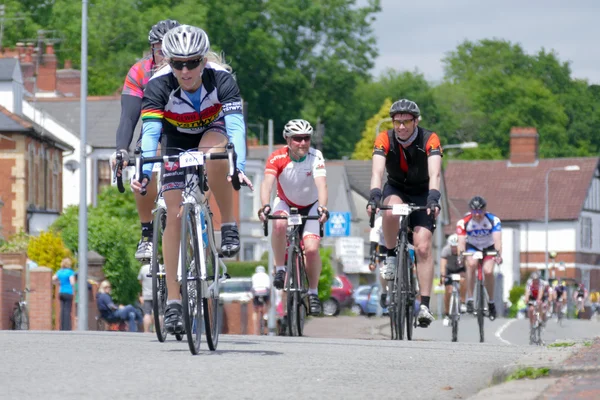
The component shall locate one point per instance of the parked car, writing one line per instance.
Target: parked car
(366, 299)
(341, 296)
(236, 289)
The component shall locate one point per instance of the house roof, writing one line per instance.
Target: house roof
(7, 68)
(518, 193)
(10, 122)
(260, 152)
(359, 175)
(103, 115)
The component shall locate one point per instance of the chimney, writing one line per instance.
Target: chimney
(28, 53)
(46, 77)
(20, 51)
(68, 64)
(523, 145)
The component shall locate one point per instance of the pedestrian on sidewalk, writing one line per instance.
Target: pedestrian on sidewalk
(66, 278)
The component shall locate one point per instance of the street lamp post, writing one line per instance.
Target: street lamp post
(568, 168)
(381, 121)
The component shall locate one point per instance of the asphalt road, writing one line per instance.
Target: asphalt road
(76, 365)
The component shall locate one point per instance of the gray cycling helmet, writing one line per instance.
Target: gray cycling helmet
(534, 276)
(158, 31)
(297, 127)
(405, 106)
(477, 203)
(185, 41)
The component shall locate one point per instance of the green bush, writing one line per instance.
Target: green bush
(327, 273)
(113, 232)
(48, 250)
(16, 243)
(243, 269)
(514, 295)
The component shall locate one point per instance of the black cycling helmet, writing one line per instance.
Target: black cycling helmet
(405, 106)
(158, 31)
(477, 203)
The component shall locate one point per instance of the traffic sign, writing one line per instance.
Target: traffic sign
(338, 224)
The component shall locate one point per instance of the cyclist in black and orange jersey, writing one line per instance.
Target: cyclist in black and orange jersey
(131, 107)
(412, 157)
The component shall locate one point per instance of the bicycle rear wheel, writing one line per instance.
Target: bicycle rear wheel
(191, 295)
(211, 302)
(159, 283)
(480, 306)
(392, 309)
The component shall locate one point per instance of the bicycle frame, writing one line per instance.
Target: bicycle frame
(455, 305)
(481, 295)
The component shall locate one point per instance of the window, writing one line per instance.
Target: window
(55, 180)
(586, 232)
(247, 206)
(248, 251)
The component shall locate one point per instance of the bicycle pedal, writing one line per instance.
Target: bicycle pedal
(227, 276)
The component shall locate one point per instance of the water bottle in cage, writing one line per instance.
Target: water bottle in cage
(204, 229)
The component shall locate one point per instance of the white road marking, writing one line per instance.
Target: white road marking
(501, 329)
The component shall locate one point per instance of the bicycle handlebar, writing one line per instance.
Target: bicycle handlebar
(285, 216)
(118, 177)
(140, 160)
(411, 208)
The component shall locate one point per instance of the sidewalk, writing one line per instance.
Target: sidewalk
(574, 373)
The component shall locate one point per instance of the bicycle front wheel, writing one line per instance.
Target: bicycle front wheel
(480, 306)
(411, 295)
(454, 309)
(301, 295)
(291, 290)
(211, 302)
(190, 279)
(159, 283)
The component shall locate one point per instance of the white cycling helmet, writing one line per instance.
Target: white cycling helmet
(297, 127)
(185, 41)
(453, 240)
(259, 269)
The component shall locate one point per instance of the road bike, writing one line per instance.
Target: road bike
(402, 292)
(535, 329)
(481, 295)
(296, 283)
(200, 269)
(454, 308)
(19, 317)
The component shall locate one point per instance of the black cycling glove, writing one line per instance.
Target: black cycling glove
(433, 199)
(374, 199)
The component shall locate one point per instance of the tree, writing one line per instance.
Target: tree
(47, 250)
(364, 148)
(113, 231)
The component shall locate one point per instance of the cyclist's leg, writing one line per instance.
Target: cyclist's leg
(311, 241)
(257, 314)
(278, 241)
(390, 226)
(214, 140)
(488, 271)
(144, 205)
(471, 265)
(447, 294)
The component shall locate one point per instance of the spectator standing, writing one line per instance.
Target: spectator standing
(146, 296)
(65, 277)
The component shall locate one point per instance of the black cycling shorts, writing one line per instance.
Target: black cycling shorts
(417, 218)
(173, 177)
(258, 300)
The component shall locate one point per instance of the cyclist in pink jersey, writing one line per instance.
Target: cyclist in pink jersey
(301, 182)
(131, 106)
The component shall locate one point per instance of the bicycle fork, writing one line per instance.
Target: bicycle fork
(480, 285)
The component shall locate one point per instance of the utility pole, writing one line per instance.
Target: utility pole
(271, 323)
(82, 306)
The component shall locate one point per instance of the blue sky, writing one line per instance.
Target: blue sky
(427, 29)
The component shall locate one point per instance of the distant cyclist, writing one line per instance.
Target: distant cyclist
(261, 291)
(536, 296)
(478, 231)
(580, 295)
(449, 264)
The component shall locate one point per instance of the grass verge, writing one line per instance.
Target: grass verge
(562, 344)
(528, 373)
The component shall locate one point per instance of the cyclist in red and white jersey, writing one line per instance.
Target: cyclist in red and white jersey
(301, 182)
(536, 294)
(131, 107)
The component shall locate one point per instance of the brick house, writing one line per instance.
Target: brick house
(31, 182)
(515, 191)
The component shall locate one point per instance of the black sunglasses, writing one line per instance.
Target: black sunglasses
(300, 139)
(190, 64)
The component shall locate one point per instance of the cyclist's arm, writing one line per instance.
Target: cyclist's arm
(321, 183)
(228, 93)
(461, 232)
(236, 132)
(377, 171)
(131, 107)
(497, 241)
(265, 188)
(155, 98)
(434, 163)
(150, 135)
(443, 263)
